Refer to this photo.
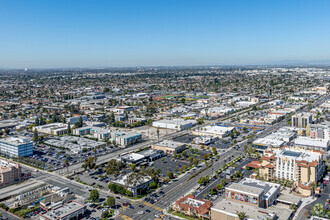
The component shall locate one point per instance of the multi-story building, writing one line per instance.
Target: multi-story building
(318, 131)
(300, 166)
(53, 129)
(9, 172)
(301, 120)
(122, 138)
(75, 119)
(15, 146)
(126, 138)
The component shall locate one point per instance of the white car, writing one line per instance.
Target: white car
(141, 212)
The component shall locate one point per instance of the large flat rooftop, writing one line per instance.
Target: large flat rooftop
(269, 188)
(63, 211)
(170, 144)
(16, 189)
(226, 206)
(16, 140)
(252, 190)
(297, 154)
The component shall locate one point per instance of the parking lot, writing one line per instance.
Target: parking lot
(54, 158)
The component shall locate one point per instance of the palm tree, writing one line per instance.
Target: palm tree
(242, 215)
(66, 162)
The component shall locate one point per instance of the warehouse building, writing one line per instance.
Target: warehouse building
(177, 124)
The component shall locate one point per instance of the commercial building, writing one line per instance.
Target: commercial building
(245, 194)
(262, 144)
(205, 140)
(10, 172)
(124, 138)
(301, 120)
(141, 184)
(312, 143)
(318, 131)
(142, 156)
(169, 147)
(24, 193)
(68, 211)
(15, 146)
(53, 129)
(193, 207)
(74, 144)
(215, 131)
(75, 119)
(177, 124)
(298, 165)
(227, 209)
(121, 138)
(271, 191)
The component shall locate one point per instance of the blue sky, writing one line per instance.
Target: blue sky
(94, 33)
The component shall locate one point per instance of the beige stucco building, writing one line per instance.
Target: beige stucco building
(303, 167)
(9, 172)
(169, 147)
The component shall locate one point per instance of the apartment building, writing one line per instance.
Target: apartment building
(15, 146)
(298, 165)
(301, 120)
(53, 129)
(10, 172)
(75, 119)
(321, 131)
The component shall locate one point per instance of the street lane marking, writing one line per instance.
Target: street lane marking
(153, 206)
(125, 217)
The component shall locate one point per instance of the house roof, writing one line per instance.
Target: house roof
(201, 206)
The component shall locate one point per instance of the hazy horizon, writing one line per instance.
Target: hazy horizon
(103, 34)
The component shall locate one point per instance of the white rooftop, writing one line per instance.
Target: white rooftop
(170, 144)
(122, 180)
(296, 154)
(268, 187)
(268, 142)
(217, 129)
(226, 206)
(64, 211)
(315, 142)
(252, 190)
(16, 140)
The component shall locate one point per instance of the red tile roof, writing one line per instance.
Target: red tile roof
(202, 210)
(254, 164)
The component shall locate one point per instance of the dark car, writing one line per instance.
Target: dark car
(131, 207)
(147, 210)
